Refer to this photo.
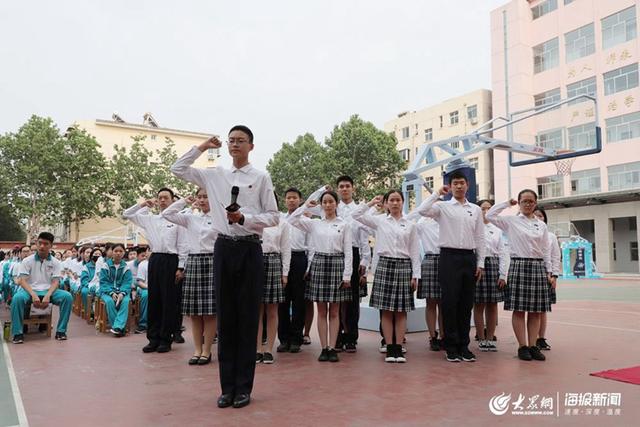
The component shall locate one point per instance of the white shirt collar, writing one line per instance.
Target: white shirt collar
(245, 169)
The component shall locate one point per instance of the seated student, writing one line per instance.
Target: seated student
(115, 290)
(143, 294)
(39, 278)
(88, 278)
(76, 282)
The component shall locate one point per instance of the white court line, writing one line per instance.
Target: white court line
(584, 324)
(22, 416)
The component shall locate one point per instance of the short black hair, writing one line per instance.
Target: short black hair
(170, 191)
(543, 212)
(293, 190)
(245, 129)
(527, 190)
(342, 178)
(480, 202)
(390, 192)
(116, 245)
(45, 235)
(457, 174)
(331, 193)
(140, 250)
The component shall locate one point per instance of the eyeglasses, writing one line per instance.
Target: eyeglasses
(237, 141)
(527, 202)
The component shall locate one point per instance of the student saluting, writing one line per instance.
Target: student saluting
(238, 263)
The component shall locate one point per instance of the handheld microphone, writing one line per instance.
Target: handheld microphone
(233, 206)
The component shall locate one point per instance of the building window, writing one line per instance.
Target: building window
(405, 132)
(579, 43)
(583, 87)
(429, 181)
(550, 139)
(416, 151)
(633, 224)
(623, 127)
(615, 257)
(473, 162)
(625, 176)
(544, 8)
(453, 118)
(619, 27)
(621, 79)
(545, 56)
(633, 249)
(428, 134)
(550, 186)
(582, 137)
(405, 154)
(566, 2)
(472, 112)
(212, 153)
(153, 137)
(547, 98)
(585, 182)
(455, 144)
(441, 122)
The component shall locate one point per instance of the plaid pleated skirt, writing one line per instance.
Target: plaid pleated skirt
(487, 290)
(325, 284)
(391, 289)
(528, 287)
(198, 289)
(273, 289)
(429, 286)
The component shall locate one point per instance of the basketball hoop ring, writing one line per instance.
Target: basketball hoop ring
(563, 166)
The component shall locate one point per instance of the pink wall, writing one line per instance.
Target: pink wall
(523, 34)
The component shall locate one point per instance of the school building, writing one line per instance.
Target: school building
(556, 49)
(450, 118)
(117, 131)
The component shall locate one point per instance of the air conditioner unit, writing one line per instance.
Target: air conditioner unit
(474, 120)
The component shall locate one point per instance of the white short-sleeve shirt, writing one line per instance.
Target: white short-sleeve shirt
(40, 272)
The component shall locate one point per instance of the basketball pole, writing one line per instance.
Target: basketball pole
(506, 97)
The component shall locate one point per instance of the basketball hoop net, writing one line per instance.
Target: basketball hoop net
(563, 166)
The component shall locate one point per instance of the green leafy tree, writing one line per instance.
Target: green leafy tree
(137, 173)
(10, 228)
(368, 155)
(83, 183)
(303, 164)
(31, 164)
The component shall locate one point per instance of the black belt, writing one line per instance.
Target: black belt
(457, 251)
(298, 252)
(253, 238)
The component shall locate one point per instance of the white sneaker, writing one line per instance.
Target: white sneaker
(492, 346)
(383, 347)
(401, 359)
(483, 345)
(390, 359)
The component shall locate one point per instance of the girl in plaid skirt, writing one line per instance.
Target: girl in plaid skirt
(397, 270)
(331, 267)
(554, 253)
(530, 272)
(429, 284)
(489, 289)
(276, 249)
(198, 290)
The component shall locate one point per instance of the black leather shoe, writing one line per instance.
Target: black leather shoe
(294, 348)
(164, 348)
(241, 400)
(225, 400)
(178, 338)
(150, 348)
(283, 347)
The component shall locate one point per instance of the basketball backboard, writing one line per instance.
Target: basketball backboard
(569, 128)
